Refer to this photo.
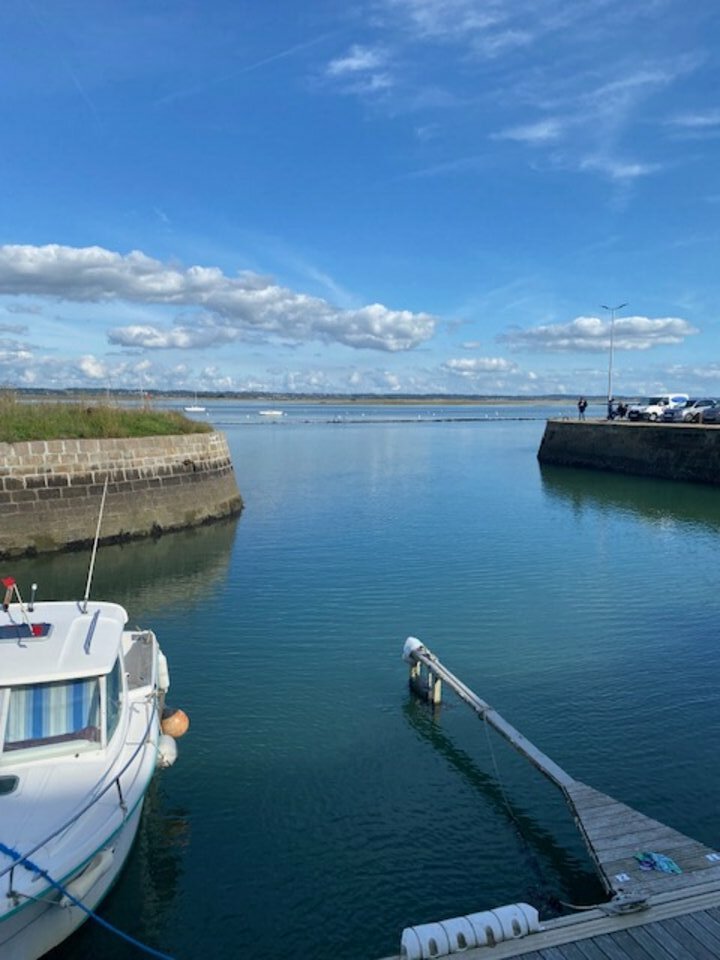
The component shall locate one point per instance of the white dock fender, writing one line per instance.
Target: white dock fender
(487, 927)
(410, 946)
(82, 884)
(460, 934)
(163, 672)
(531, 915)
(411, 645)
(512, 920)
(166, 751)
(430, 937)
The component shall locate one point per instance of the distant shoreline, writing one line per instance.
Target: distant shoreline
(425, 401)
(275, 399)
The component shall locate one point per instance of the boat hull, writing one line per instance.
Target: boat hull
(33, 931)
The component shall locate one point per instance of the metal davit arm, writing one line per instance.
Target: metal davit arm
(415, 653)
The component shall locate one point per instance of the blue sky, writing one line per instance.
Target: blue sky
(385, 196)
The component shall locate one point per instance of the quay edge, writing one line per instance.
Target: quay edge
(51, 490)
(687, 452)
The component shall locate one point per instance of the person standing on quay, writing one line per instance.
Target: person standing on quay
(582, 407)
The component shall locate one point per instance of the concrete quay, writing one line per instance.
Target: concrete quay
(673, 451)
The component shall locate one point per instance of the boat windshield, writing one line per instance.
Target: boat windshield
(63, 715)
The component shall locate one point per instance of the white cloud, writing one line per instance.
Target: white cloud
(92, 368)
(457, 20)
(225, 308)
(592, 334)
(12, 353)
(357, 60)
(361, 70)
(618, 170)
(472, 369)
(540, 132)
(697, 121)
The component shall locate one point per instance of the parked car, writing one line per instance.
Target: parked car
(655, 407)
(692, 412)
(712, 414)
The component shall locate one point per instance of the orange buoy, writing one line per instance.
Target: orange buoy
(174, 722)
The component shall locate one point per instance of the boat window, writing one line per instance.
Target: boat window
(63, 713)
(113, 687)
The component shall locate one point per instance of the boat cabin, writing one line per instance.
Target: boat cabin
(61, 687)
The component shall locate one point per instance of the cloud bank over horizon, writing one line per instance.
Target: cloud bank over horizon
(146, 322)
(228, 308)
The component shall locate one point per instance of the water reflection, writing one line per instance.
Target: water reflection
(144, 575)
(543, 854)
(650, 499)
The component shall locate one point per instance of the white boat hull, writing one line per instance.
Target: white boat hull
(43, 925)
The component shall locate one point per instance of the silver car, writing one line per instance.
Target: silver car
(692, 412)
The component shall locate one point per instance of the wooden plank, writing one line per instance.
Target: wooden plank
(589, 798)
(693, 925)
(638, 839)
(568, 951)
(554, 953)
(652, 947)
(711, 924)
(623, 821)
(612, 950)
(687, 945)
(590, 950)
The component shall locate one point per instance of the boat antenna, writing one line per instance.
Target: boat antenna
(95, 546)
(11, 587)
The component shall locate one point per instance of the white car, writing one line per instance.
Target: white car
(654, 408)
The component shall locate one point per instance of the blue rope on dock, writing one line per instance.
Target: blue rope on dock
(34, 868)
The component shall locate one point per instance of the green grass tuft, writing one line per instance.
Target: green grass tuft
(66, 421)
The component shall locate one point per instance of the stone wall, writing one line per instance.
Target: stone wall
(51, 490)
(671, 451)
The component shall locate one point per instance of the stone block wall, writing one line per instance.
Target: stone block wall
(51, 490)
(672, 451)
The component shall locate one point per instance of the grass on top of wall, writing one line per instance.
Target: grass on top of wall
(83, 420)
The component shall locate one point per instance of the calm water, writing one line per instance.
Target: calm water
(315, 809)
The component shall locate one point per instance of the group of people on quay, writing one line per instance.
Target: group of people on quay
(615, 410)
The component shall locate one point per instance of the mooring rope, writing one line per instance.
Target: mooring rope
(34, 868)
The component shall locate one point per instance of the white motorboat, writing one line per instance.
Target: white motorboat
(81, 734)
(271, 413)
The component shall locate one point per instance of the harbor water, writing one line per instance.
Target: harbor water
(315, 808)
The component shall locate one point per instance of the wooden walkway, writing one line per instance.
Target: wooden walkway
(651, 912)
(687, 928)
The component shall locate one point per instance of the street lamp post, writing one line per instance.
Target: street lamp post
(610, 365)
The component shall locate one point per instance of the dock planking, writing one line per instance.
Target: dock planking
(651, 913)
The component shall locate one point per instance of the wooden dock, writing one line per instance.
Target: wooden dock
(663, 887)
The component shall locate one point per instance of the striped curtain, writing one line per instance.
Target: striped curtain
(52, 711)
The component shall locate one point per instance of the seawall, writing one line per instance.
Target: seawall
(680, 451)
(51, 490)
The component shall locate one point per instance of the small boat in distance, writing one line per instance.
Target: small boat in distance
(194, 407)
(271, 413)
(81, 733)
